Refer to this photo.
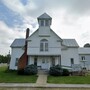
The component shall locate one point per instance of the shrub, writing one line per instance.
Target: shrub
(56, 70)
(20, 72)
(30, 70)
(65, 72)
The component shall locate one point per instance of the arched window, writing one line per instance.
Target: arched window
(44, 45)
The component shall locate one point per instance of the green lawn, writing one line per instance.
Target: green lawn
(12, 77)
(69, 79)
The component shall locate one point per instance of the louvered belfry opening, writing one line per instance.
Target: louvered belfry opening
(23, 60)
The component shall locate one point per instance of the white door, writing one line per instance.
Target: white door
(45, 63)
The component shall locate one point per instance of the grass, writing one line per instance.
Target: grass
(12, 77)
(69, 79)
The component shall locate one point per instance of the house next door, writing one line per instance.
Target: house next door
(45, 63)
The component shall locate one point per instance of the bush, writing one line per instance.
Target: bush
(20, 72)
(65, 72)
(56, 70)
(30, 70)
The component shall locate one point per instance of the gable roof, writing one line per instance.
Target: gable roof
(18, 43)
(70, 43)
(56, 35)
(44, 16)
(66, 42)
(32, 34)
(38, 30)
(84, 50)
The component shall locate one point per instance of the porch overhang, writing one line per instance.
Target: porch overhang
(44, 54)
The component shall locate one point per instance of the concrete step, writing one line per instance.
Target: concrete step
(43, 72)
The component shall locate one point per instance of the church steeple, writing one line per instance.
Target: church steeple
(44, 20)
(44, 24)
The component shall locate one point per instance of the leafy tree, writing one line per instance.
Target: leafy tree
(4, 59)
(87, 45)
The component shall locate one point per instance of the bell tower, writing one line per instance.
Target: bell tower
(44, 24)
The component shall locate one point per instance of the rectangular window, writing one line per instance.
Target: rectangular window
(83, 57)
(46, 46)
(46, 22)
(41, 47)
(53, 61)
(43, 61)
(35, 61)
(16, 63)
(42, 22)
(59, 60)
(72, 61)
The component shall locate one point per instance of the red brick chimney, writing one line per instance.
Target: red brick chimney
(23, 60)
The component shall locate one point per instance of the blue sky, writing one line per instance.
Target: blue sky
(70, 19)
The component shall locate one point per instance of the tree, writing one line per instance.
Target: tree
(4, 59)
(87, 45)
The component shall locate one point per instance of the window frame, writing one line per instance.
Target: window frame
(72, 61)
(35, 61)
(41, 46)
(46, 22)
(82, 57)
(44, 45)
(42, 22)
(16, 61)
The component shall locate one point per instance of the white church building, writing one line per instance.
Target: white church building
(45, 48)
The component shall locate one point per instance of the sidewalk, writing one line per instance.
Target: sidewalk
(12, 85)
(42, 83)
(42, 77)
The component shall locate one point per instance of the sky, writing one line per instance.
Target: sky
(70, 19)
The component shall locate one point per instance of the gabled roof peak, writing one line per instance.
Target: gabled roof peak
(44, 16)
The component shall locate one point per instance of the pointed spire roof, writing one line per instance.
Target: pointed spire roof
(44, 16)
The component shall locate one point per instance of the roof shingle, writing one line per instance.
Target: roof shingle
(70, 42)
(18, 43)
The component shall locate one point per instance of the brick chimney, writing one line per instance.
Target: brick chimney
(23, 60)
(27, 33)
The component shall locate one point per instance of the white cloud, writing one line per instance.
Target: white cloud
(15, 6)
(19, 8)
(71, 26)
(7, 35)
(70, 19)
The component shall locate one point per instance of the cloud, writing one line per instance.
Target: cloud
(14, 15)
(72, 6)
(71, 19)
(7, 35)
(15, 6)
(18, 7)
(36, 7)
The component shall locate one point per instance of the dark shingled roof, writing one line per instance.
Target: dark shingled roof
(18, 43)
(44, 16)
(70, 42)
